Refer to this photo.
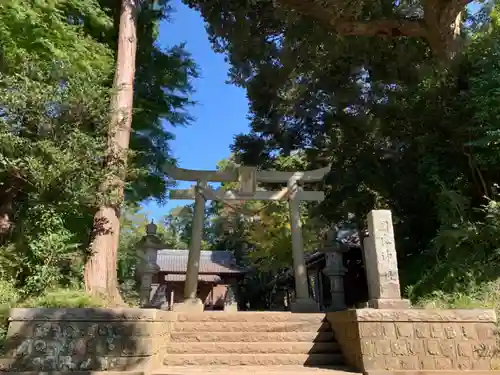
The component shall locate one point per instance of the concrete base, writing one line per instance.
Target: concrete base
(304, 305)
(398, 304)
(335, 308)
(189, 305)
(231, 308)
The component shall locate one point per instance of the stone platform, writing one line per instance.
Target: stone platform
(148, 341)
(418, 341)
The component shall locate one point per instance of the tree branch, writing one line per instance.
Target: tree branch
(436, 27)
(388, 27)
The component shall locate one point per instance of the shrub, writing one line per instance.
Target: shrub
(64, 298)
(485, 296)
(128, 290)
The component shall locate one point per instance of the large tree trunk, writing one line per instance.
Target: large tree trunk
(101, 266)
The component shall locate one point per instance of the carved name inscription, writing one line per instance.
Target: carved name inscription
(61, 346)
(390, 276)
(380, 257)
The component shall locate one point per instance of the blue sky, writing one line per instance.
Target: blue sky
(221, 108)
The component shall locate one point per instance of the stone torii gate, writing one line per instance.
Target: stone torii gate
(248, 177)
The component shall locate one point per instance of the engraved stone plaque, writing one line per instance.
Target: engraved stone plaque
(380, 257)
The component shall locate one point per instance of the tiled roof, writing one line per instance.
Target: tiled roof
(349, 238)
(212, 262)
(205, 278)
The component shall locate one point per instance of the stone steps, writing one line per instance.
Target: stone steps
(241, 317)
(268, 359)
(291, 326)
(252, 347)
(253, 370)
(251, 339)
(325, 336)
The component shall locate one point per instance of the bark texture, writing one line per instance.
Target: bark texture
(101, 265)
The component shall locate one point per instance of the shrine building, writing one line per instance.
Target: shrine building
(218, 275)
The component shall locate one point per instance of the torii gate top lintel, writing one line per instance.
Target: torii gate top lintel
(233, 175)
(247, 178)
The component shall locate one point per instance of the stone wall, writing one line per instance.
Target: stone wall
(85, 339)
(372, 340)
(375, 341)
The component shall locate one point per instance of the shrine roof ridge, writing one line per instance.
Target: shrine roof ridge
(212, 262)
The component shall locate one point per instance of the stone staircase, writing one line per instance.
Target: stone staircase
(249, 340)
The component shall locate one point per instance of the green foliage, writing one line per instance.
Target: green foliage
(56, 69)
(476, 243)
(38, 39)
(73, 298)
(51, 139)
(486, 296)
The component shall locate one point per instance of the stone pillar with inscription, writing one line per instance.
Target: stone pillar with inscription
(381, 263)
(148, 267)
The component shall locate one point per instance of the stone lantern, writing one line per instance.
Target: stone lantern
(148, 267)
(335, 271)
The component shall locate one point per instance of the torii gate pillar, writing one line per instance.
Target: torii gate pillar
(303, 303)
(191, 301)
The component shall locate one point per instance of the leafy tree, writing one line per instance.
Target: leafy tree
(53, 81)
(55, 78)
